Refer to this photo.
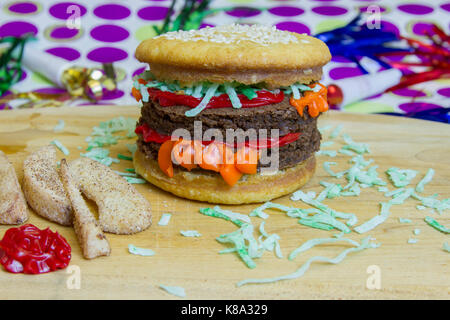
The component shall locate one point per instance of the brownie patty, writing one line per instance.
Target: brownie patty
(282, 116)
(289, 155)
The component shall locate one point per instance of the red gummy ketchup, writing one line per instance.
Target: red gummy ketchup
(27, 249)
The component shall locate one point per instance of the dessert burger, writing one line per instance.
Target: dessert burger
(229, 113)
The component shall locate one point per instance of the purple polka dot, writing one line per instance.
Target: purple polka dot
(67, 53)
(111, 95)
(329, 10)
(23, 76)
(109, 33)
(444, 92)
(17, 28)
(418, 106)
(293, 27)
(107, 54)
(243, 12)
(389, 27)
(418, 9)
(340, 59)
(286, 11)
(138, 71)
(344, 72)
(446, 6)
(59, 10)
(23, 7)
(112, 12)
(405, 92)
(50, 90)
(153, 13)
(204, 25)
(63, 33)
(364, 9)
(422, 28)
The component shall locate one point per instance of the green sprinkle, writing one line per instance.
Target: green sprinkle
(190, 233)
(416, 232)
(404, 220)
(60, 146)
(140, 251)
(121, 156)
(131, 170)
(173, 290)
(427, 178)
(432, 222)
(412, 240)
(165, 218)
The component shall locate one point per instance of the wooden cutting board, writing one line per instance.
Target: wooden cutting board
(408, 271)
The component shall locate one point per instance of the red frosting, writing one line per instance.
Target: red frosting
(28, 249)
(150, 135)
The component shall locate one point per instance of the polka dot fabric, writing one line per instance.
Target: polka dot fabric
(111, 30)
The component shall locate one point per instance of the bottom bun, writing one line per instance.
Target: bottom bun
(210, 187)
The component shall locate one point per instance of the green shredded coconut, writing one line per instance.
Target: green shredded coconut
(375, 221)
(126, 174)
(327, 143)
(301, 271)
(60, 126)
(165, 218)
(346, 152)
(140, 251)
(99, 154)
(412, 240)
(132, 148)
(359, 148)
(131, 170)
(432, 222)
(233, 96)
(190, 233)
(404, 220)
(427, 178)
(60, 146)
(173, 290)
(329, 153)
(401, 177)
(336, 131)
(432, 202)
(122, 157)
(446, 247)
(135, 180)
(202, 105)
(237, 218)
(314, 242)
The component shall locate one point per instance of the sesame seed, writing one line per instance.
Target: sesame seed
(234, 34)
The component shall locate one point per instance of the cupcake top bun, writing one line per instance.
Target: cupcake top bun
(242, 53)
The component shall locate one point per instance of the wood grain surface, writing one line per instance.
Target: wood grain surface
(408, 271)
